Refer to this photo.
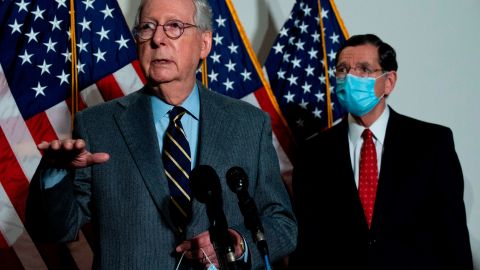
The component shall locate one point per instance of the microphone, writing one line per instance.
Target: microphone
(206, 189)
(237, 181)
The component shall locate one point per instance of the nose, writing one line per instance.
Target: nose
(159, 36)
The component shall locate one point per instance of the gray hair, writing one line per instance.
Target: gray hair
(202, 18)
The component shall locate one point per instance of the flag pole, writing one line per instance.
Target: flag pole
(73, 69)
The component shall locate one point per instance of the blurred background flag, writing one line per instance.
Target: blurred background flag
(232, 69)
(36, 89)
(301, 67)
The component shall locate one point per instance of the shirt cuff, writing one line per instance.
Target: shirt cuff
(53, 176)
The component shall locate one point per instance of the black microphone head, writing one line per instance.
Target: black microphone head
(237, 179)
(205, 183)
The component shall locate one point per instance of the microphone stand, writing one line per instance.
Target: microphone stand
(221, 240)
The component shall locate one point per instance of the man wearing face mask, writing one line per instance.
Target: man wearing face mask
(379, 190)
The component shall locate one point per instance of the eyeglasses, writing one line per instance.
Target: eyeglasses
(361, 71)
(173, 29)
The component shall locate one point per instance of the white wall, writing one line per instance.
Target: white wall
(437, 46)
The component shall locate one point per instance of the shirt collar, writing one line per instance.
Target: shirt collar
(378, 128)
(191, 105)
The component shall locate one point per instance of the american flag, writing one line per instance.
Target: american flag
(232, 69)
(35, 103)
(301, 67)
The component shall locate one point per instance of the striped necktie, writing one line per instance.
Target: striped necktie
(177, 165)
(368, 180)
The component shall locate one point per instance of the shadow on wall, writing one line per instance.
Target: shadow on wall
(265, 39)
(469, 198)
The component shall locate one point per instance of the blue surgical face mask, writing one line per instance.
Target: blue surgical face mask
(357, 94)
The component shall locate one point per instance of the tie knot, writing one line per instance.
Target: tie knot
(176, 113)
(367, 134)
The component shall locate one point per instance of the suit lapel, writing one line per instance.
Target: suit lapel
(345, 168)
(136, 125)
(387, 171)
(214, 125)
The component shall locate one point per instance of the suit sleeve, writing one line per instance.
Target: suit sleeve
(273, 203)
(453, 224)
(57, 213)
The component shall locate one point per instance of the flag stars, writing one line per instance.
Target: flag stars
(289, 97)
(61, 3)
(220, 21)
(246, 75)
(215, 57)
(303, 104)
(39, 90)
(80, 67)
(291, 40)
(309, 70)
(281, 74)
(306, 87)
(286, 57)
(55, 23)
(218, 39)
(103, 34)
(296, 62)
(63, 78)
(324, 14)
(68, 55)
(315, 36)
(26, 57)
(233, 48)
(228, 85)
(307, 10)
(278, 48)
(100, 55)
(82, 46)
(44, 67)
(322, 79)
(88, 4)
(299, 45)
(22, 6)
(331, 55)
(122, 42)
(107, 12)
(331, 72)
(312, 53)
(50, 45)
(303, 28)
(335, 38)
(320, 96)
(283, 32)
(38, 13)
(32, 35)
(16, 27)
(85, 24)
(292, 79)
(317, 113)
(213, 76)
(231, 65)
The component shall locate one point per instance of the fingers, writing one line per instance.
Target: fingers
(70, 153)
(199, 249)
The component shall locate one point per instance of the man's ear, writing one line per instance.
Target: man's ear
(206, 44)
(391, 80)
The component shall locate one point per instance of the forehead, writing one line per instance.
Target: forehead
(168, 9)
(360, 54)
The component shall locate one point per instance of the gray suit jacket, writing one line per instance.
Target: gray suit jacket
(126, 198)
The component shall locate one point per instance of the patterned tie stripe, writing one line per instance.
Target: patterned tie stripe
(368, 175)
(177, 165)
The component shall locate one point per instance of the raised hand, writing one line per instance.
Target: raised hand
(70, 154)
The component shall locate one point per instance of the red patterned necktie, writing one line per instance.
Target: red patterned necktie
(367, 187)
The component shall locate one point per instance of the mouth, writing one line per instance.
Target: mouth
(161, 62)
